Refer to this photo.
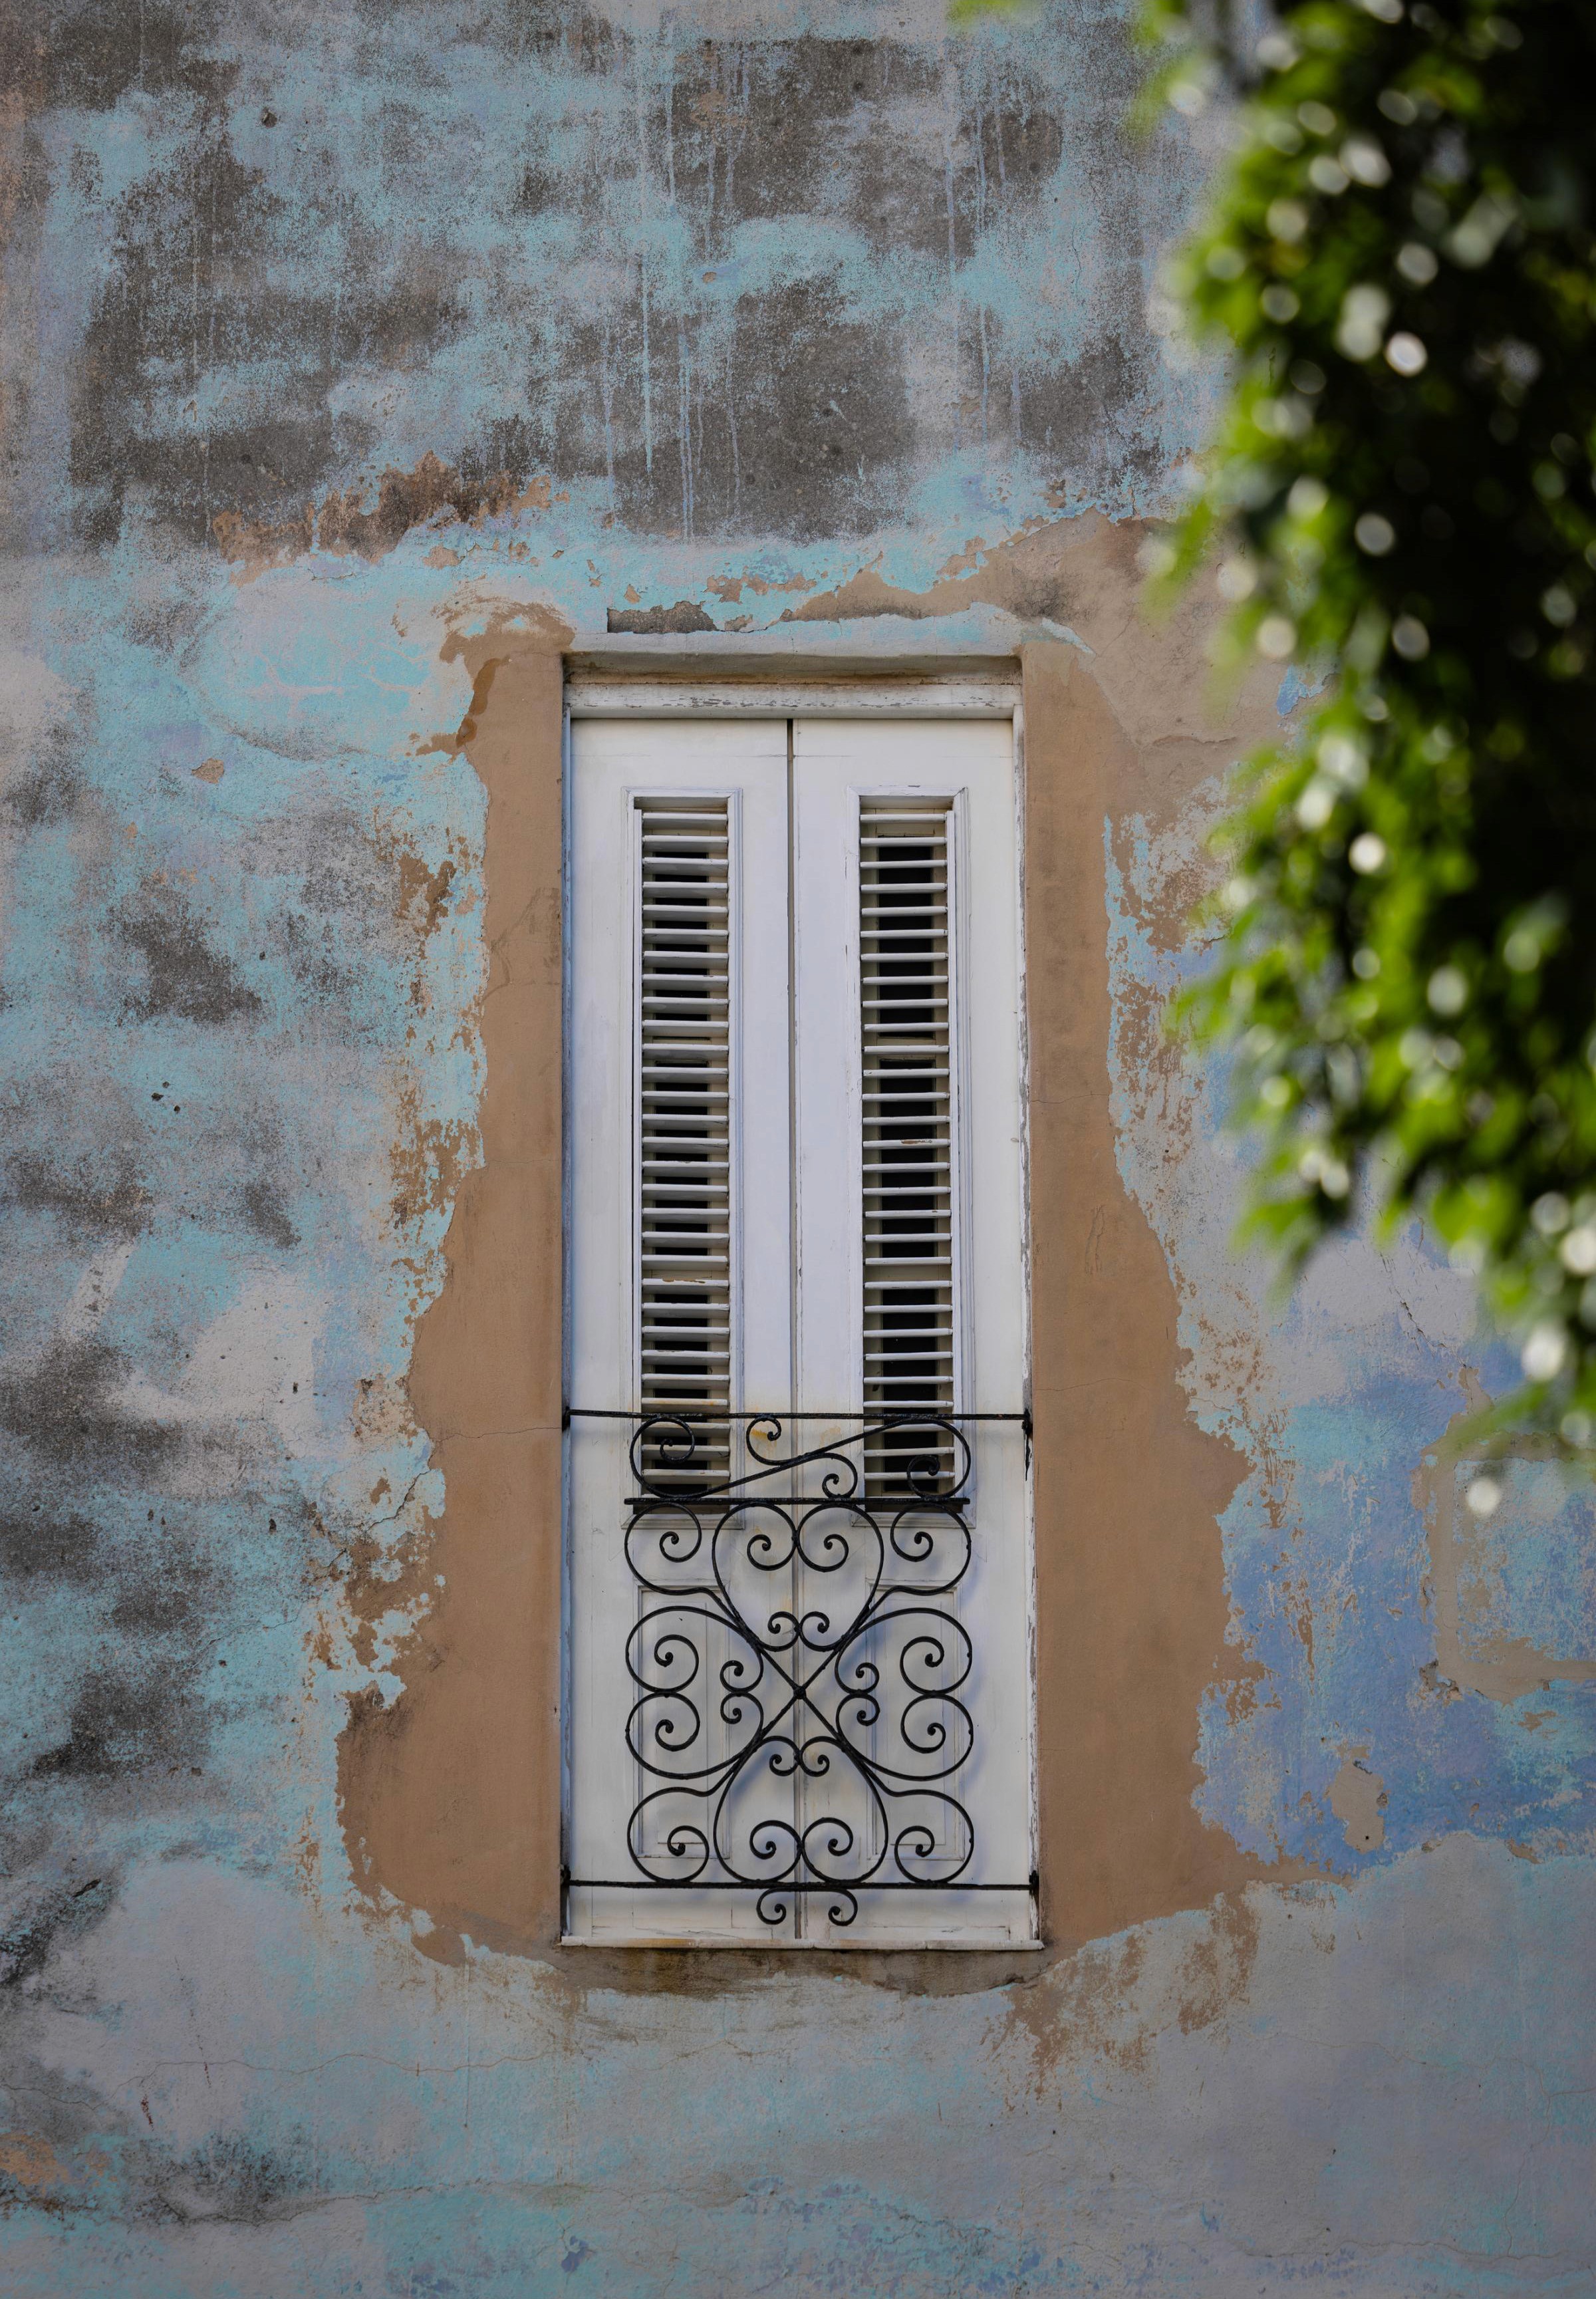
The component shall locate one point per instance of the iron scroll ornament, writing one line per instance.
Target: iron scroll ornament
(797, 1670)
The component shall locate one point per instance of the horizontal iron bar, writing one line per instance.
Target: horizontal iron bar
(698, 1884)
(949, 1505)
(931, 1413)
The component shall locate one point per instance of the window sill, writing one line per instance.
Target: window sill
(995, 1944)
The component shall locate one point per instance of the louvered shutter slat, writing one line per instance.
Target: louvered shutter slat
(907, 1120)
(683, 1064)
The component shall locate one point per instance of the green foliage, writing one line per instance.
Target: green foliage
(1401, 252)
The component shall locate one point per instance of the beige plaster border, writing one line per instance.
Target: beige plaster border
(451, 1794)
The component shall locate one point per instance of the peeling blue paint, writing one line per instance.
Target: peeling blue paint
(1330, 1575)
(254, 267)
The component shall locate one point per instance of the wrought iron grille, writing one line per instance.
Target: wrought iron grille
(795, 1677)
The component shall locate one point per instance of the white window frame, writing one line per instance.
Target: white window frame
(604, 693)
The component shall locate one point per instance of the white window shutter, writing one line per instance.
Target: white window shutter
(851, 776)
(800, 1709)
(628, 777)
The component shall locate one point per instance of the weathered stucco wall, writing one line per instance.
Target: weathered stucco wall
(354, 362)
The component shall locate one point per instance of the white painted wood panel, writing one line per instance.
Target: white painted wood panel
(615, 764)
(777, 844)
(840, 766)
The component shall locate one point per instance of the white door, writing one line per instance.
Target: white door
(799, 1682)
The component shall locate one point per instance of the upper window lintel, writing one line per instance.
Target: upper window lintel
(990, 690)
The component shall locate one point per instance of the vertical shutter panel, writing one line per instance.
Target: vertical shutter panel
(908, 1133)
(779, 934)
(684, 1106)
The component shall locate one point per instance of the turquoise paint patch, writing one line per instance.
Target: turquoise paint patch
(245, 2078)
(1328, 1571)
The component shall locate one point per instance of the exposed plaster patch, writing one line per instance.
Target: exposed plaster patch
(1476, 1649)
(428, 1158)
(686, 616)
(345, 522)
(1117, 1444)
(449, 1792)
(1111, 2001)
(382, 1412)
(31, 2161)
(729, 588)
(1357, 1797)
(1025, 577)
